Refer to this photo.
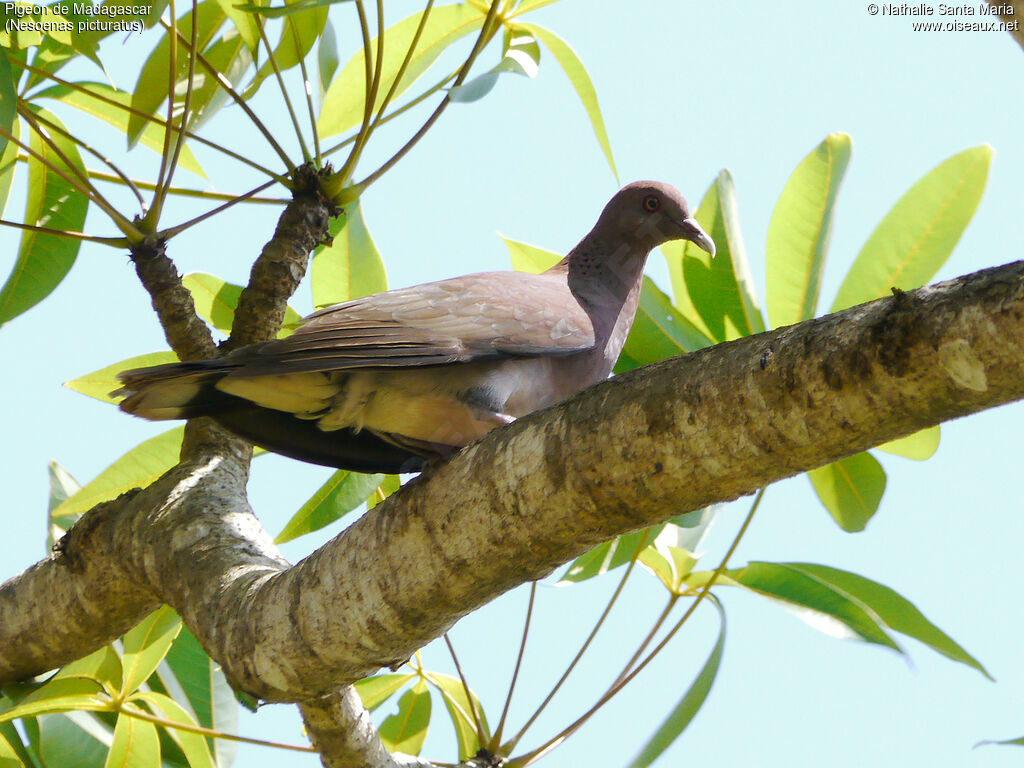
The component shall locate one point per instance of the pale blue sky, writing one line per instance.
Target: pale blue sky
(687, 89)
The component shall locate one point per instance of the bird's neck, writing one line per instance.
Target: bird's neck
(607, 285)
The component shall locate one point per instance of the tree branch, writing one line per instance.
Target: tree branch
(627, 453)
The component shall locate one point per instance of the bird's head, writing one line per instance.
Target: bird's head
(649, 213)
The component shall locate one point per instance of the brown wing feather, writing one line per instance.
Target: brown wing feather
(477, 317)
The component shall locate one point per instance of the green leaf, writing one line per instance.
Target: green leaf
(244, 22)
(522, 57)
(327, 58)
(1005, 743)
(277, 11)
(44, 259)
(8, 166)
(577, 74)
(659, 331)
(146, 645)
(388, 485)
(893, 609)
(532, 5)
(141, 466)
(78, 739)
(851, 489)
(99, 384)
(102, 666)
(12, 752)
(609, 555)
(674, 552)
(192, 744)
(196, 681)
(62, 486)
(8, 99)
(298, 34)
(374, 691)
(799, 231)
(919, 446)
(917, 236)
(459, 711)
(60, 695)
(684, 712)
(136, 745)
(95, 99)
(529, 258)
(346, 96)
(231, 57)
(215, 302)
(151, 87)
(351, 266)
(715, 294)
(406, 730)
(819, 604)
(343, 492)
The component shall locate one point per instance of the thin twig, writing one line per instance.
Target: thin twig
(138, 714)
(619, 684)
(179, 228)
(465, 685)
(496, 739)
(482, 39)
(280, 82)
(186, 192)
(510, 745)
(224, 83)
(405, 63)
(116, 242)
(308, 88)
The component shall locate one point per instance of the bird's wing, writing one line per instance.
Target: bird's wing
(477, 317)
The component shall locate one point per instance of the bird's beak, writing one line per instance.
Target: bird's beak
(692, 231)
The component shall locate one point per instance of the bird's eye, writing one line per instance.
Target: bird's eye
(651, 203)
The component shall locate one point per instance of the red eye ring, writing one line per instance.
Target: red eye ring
(652, 203)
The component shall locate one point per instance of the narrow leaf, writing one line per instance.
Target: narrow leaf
(609, 555)
(142, 465)
(521, 57)
(799, 232)
(279, 11)
(351, 266)
(8, 166)
(1005, 743)
(684, 712)
(136, 744)
(343, 492)
(388, 485)
(346, 96)
(327, 58)
(715, 294)
(659, 331)
(406, 730)
(12, 752)
(8, 99)
(919, 446)
(151, 87)
(231, 58)
(298, 34)
(577, 74)
(146, 645)
(917, 236)
(820, 605)
(195, 681)
(459, 711)
(851, 489)
(192, 744)
(99, 384)
(102, 666)
(893, 609)
(44, 259)
(529, 258)
(374, 691)
(152, 136)
(60, 695)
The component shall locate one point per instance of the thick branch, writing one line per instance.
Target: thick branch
(282, 264)
(186, 333)
(645, 446)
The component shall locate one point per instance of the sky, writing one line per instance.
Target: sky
(686, 90)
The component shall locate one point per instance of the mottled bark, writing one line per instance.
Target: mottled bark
(185, 332)
(282, 264)
(630, 452)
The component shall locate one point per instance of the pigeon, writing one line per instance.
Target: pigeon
(394, 381)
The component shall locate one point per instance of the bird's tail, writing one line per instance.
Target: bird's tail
(172, 391)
